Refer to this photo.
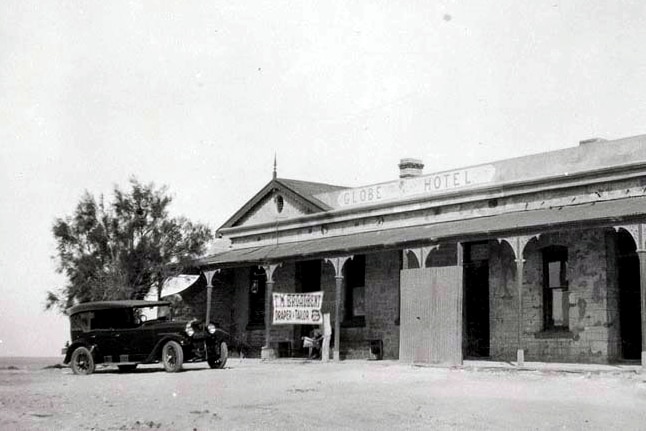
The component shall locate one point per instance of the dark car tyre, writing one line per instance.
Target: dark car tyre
(221, 361)
(82, 361)
(172, 356)
(126, 368)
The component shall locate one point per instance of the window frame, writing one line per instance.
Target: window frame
(555, 254)
(354, 278)
(256, 304)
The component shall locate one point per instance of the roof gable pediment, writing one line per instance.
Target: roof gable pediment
(281, 199)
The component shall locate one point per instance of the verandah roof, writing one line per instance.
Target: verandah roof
(533, 221)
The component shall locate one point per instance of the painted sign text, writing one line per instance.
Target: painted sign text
(297, 308)
(442, 182)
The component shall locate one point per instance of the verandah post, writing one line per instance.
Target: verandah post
(338, 263)
(520, 354)
(209, 293)
(518, 244)
(267, 352)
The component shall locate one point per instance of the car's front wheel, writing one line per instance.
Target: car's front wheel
(172, 356)
(221, 361)
(82, 361)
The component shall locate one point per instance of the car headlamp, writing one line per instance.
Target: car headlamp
(211, 328)
(189, 329)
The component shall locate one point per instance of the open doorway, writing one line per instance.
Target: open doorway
(629, 297)
(476, 300)
(308, 279)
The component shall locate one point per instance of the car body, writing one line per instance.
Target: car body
(131, 332)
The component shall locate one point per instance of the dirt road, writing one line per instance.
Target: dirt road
(250, 394)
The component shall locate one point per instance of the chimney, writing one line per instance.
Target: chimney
(592, 141)
(409, 168)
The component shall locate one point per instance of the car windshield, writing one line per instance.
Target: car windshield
(160, 312)
(178, 310)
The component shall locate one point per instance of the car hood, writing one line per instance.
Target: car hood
(177, 325)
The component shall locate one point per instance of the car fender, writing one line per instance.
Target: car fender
(221, 335)
(76, 345)
(164, 338)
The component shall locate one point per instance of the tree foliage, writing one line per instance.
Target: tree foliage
(122, 249)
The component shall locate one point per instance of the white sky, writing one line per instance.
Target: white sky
(199, 96)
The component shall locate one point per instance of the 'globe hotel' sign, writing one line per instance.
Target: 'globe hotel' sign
(431, 184)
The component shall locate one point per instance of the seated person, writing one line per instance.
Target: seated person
(315, 344)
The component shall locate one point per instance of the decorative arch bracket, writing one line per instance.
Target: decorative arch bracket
(269, 270)
(337, 263)
(421, 253)
(518, 243)
(637, 231)
(209, 276)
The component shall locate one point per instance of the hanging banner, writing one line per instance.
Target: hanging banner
(298, 308)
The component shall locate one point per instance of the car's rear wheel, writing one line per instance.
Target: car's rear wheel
(172, 356)
(127, 368)
(82, 362)
(221, 361)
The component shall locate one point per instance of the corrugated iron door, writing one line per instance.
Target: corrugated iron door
(431, 315)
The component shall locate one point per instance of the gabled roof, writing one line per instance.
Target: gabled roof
(308, 189)
(301, 191)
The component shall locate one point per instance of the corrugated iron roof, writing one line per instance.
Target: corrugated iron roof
(309, 189)
(534, 221)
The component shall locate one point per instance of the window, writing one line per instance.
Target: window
(308, 276)
(280, 203)
(355, 291)
(257, 282)
(81, 322)
(555, 289)
(118, 318)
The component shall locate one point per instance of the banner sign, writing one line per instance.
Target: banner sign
(298, 308)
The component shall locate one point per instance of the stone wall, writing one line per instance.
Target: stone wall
(253, 338)
(382, 309)
(612, 297)
(221, 301)
(283, 282)
(592, 301)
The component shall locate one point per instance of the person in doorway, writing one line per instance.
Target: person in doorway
(314, 344)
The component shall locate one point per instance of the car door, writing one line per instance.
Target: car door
(137, 339)
(103, 336)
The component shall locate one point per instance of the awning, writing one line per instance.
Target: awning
(173, 285)
(534, 221)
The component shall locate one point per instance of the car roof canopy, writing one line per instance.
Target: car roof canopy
(108, 305)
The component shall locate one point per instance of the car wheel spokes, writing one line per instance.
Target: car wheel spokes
(171, 356)
(82, 361)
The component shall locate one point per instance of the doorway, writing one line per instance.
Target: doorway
(476, 300)
(431, 309)
(308, 279)
(629, 297)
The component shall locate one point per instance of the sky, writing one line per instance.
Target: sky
(200, 96)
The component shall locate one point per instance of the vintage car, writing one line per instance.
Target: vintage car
(128, 333)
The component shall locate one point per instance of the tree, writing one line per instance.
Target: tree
(123, 249)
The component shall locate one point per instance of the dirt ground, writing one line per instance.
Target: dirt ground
(286, 395)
